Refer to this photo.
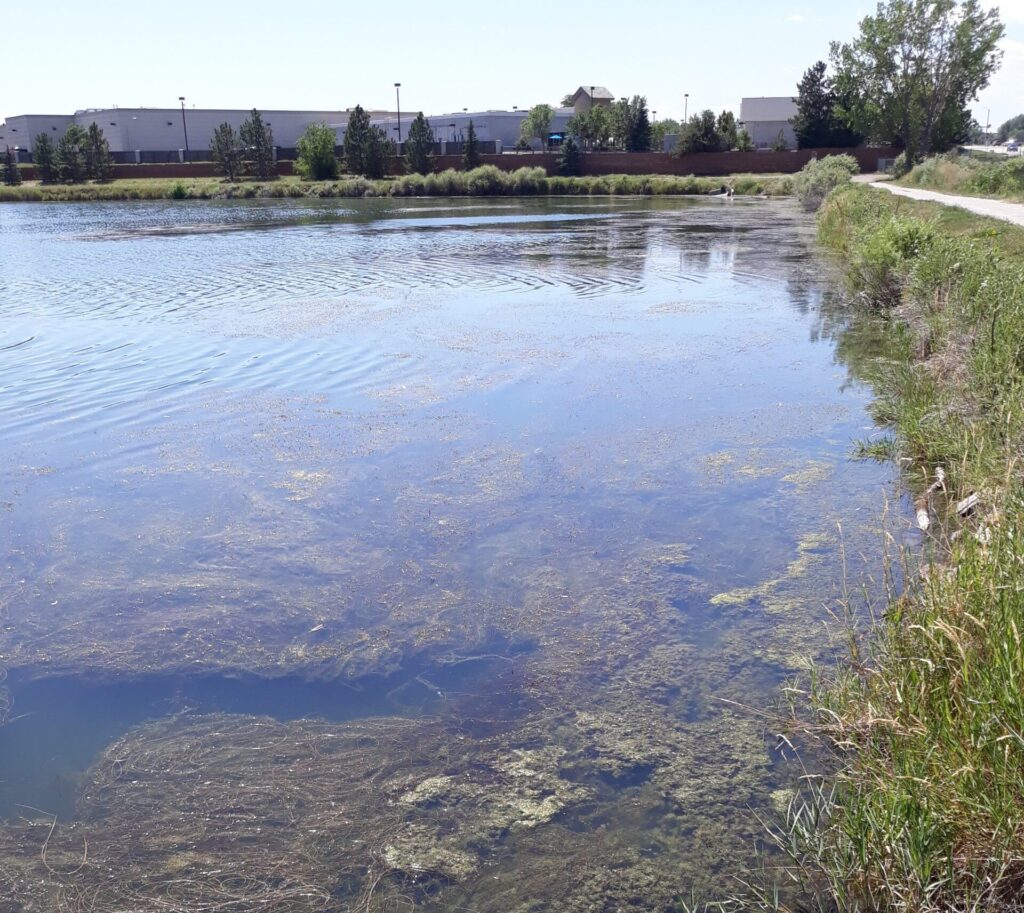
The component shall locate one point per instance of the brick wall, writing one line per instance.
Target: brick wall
(594, 163)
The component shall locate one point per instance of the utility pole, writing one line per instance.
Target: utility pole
(398, 106)
(184, 126)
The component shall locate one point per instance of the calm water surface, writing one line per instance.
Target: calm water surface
(507, 504)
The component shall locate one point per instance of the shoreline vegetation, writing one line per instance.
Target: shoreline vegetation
(486, 180)
(970, 176)
(924, 720)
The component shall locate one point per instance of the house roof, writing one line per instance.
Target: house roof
(772, 108)
(600, 92)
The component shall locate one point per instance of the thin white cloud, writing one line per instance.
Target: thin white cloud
(796, 17)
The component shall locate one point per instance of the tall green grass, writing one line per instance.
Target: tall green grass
(484, 181)
(953, 173)
(925, 720)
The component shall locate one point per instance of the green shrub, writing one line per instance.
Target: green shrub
(819, 177)
(316, 159)
(178, 191)
(484, 181)
(528, 181)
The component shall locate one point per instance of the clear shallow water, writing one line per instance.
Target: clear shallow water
(556, 477)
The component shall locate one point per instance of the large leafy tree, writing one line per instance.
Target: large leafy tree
(70, 156)
(258, 144)
(419, 146)
(909, 75)
(537, 124)
(316, 159)
(700, 135)
(591, 127)
(44, 156)
(356, 135)
(818, 122)
(660, 129)
(1011, 129)
(97, 154)
(12, 176)
(378, 153)
(226, 151)
(470, 149)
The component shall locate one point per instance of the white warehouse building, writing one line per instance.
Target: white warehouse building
(162, 129)
(763, 118)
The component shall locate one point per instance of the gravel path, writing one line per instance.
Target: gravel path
(995, 209)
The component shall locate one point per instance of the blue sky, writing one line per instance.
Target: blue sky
(331, 55)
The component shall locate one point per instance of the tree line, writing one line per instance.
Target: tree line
(248, 150)
(79, 155)
(367, 150)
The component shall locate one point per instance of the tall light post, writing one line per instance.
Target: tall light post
(184, 126)
(686, 107)
(398, 107)
(592, 98)
(988, 123)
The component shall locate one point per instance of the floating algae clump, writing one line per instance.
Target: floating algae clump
(808, 547)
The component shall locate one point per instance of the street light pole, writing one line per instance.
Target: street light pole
(184, 126)
(686, 107)
(398, 107)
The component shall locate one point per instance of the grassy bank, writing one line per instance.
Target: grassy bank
(970, 176)
(926, 719)
(485, 181)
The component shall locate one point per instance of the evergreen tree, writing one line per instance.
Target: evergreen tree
(12, 176)
(226, 152)
(355, 140)
(257, 141)
(419, 146)
(727, 131)
(378, 153)
(638, 125)
(743, 141)
(570, 161)
(818, 123)
(70, 156)
(316, 153)
(470, 150)
(45, 158)
(97, 154)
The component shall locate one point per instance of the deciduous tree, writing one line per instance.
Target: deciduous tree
(909, 75)
(226, 152)
(660, 129)
(537, 124)
(419, 146)
(1011, 129)
(316, 159)
(700, 135)
(257, 141)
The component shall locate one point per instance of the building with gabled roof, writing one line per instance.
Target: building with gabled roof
(587, 97)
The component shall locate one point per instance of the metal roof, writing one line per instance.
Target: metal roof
(599, 92)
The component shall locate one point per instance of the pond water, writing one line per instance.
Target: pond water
(376, 554)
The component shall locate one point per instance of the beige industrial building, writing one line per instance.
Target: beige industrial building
(764, 117)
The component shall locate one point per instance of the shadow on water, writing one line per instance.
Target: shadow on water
(61, 725)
